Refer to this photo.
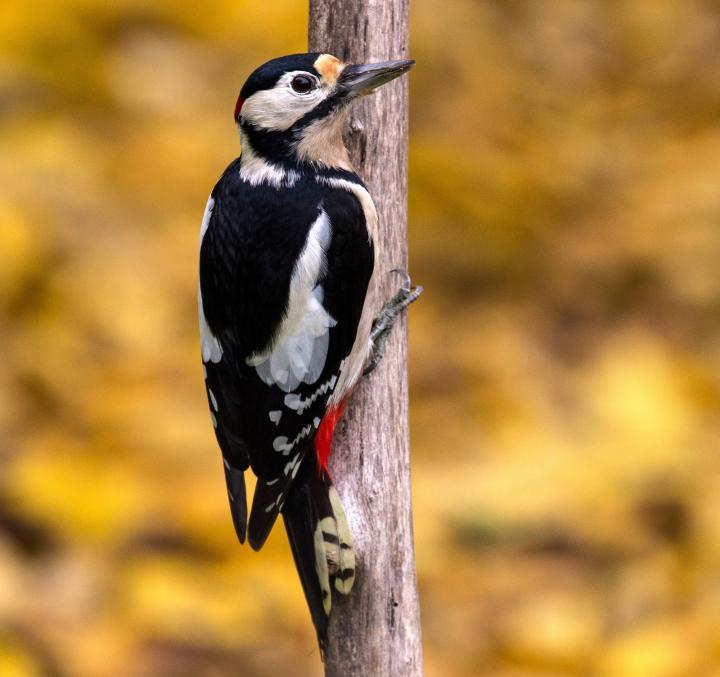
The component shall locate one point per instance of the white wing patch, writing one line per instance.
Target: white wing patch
(293, 465)
(294, 401)
(282, 445)
(298, 352)
(211, 350)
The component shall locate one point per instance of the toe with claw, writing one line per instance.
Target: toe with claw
(385, 320)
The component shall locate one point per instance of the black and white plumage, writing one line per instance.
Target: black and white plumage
(286, 302)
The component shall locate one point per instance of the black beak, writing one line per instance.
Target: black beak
(359, 79)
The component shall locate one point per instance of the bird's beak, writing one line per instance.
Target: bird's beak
(359, 79)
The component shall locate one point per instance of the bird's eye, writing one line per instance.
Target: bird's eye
(302, 84)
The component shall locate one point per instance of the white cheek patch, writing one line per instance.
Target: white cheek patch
(279, 108)
(299, 351)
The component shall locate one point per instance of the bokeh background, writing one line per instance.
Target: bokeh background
(565, 374)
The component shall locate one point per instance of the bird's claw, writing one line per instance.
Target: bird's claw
(385, 320)
(406, 278)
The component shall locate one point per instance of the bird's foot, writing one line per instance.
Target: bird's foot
(385, 320)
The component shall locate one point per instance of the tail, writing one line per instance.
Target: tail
(235, 480)
(321, 542)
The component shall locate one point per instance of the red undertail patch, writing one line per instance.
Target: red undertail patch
(324, 436)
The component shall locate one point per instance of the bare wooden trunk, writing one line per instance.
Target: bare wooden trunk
(375, 632)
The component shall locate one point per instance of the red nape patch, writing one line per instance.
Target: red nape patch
(238, 106)
(324, 437)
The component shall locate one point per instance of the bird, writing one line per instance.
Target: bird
(287, 303)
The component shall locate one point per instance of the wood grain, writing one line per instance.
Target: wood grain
(375, 632)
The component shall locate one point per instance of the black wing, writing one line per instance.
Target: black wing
(248, 255)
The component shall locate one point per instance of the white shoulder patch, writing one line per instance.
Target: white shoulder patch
(298, 352)
(211, 350)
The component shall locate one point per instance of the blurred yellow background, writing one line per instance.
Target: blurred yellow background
(565, 374)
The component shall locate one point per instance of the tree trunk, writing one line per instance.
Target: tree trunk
(375, 631)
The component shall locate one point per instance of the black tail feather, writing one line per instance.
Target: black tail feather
(268, 499)
(235, 480)
(301, 515)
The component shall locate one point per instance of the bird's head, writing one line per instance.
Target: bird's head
(292, 109)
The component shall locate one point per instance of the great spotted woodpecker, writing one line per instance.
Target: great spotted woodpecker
(286, 302)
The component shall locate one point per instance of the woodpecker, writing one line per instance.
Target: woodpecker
(286, 301)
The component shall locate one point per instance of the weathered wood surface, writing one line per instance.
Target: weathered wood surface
(375, 632)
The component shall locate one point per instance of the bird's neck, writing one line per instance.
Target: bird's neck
(317, 145)
(321, 143)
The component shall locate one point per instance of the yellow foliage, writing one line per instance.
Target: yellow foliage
(565, 378)
(16, 662)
